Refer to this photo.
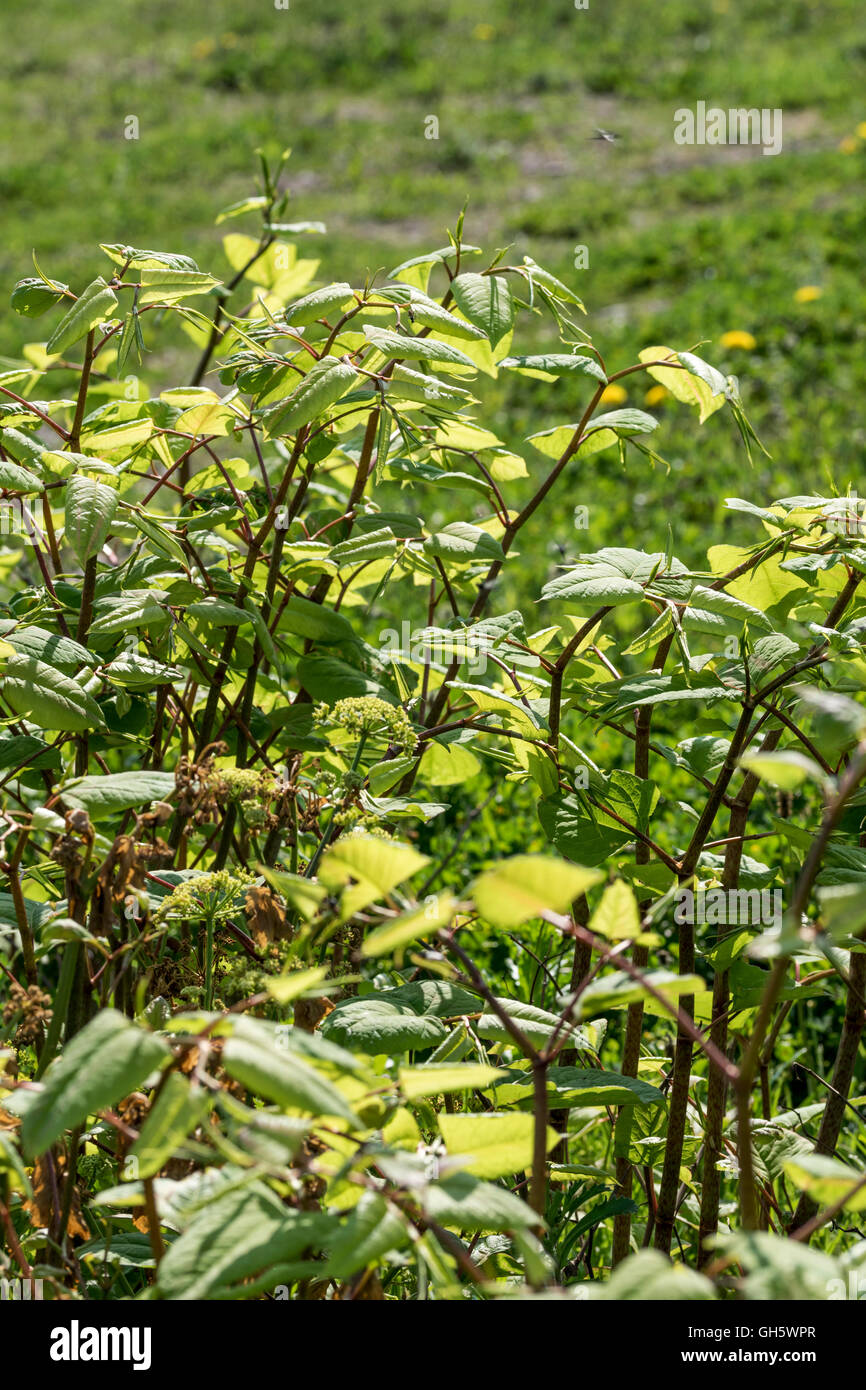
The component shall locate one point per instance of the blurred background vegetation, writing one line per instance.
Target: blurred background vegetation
(685, 244)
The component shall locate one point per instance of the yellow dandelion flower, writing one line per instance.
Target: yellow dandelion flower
(656, 395)
(738, 338)
(848, 145)
(484, 32)
(613, 394)
(861, 130)
(203, 48)
(806, 293)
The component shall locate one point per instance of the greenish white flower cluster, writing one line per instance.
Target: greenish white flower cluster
(367, 716)
(214, 896)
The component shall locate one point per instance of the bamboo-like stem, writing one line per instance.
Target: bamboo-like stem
(634, 1016)
(716, 1081)
(843, 1074)
(748, 1199)
(679, 1090)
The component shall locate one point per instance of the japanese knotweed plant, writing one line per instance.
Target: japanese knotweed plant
(458, 1070)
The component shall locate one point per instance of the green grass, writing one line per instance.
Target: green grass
(684, 242)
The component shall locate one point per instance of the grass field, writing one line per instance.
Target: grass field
(684, 243)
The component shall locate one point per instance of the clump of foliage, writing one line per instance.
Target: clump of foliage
(248, 1051)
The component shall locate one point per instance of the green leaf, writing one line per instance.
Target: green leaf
(834, 715)
(138, 259)
(655, 688)
(441, 254)
(104, 795)
(325, 382)
(60, 652)
(90, 510)
(48, 698)
(495, 1145)
(128, 611)
(12, 1163)
(33, 296)
(468, 1203)
(25, 750)
(217, 612)
(316, 305)
(518, 889)
(179, 1108)
(591, 590)
(305, 896)
(128, 1249)
(440, 1079)
(535, 272)
(296, 983)
(787, 769)
(687, 386)
(550, 365)
(618, 990)
(403, 345)
(253, 1056)
(538, 1026)
(139, 672)
(252, 204)
(508, 708)
(359, 550)
(486, 302)
(715, 380)
(843, 908)
(62, 463)
(463, 541)
(827, 1181)
(380, 863)
(429, 313)
(104, 1062)
(210, 417)
(161, 286)
(648, 1274)
(611, 576)
(159, 536)
(236, 1237)
(13, 478)
(600, 433)
(577, 835)
(314, 621)
(37, 913)
(398, 1020)
(616, 916)
(408, 385)
(577, 1087)
(395, 935)
(373, 1228)
(778, 1268)
(94, 305)
(714, 612)
(375, 1025)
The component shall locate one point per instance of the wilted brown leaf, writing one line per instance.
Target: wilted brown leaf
(266, 919)
(43, 1208)
(308, 1013)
